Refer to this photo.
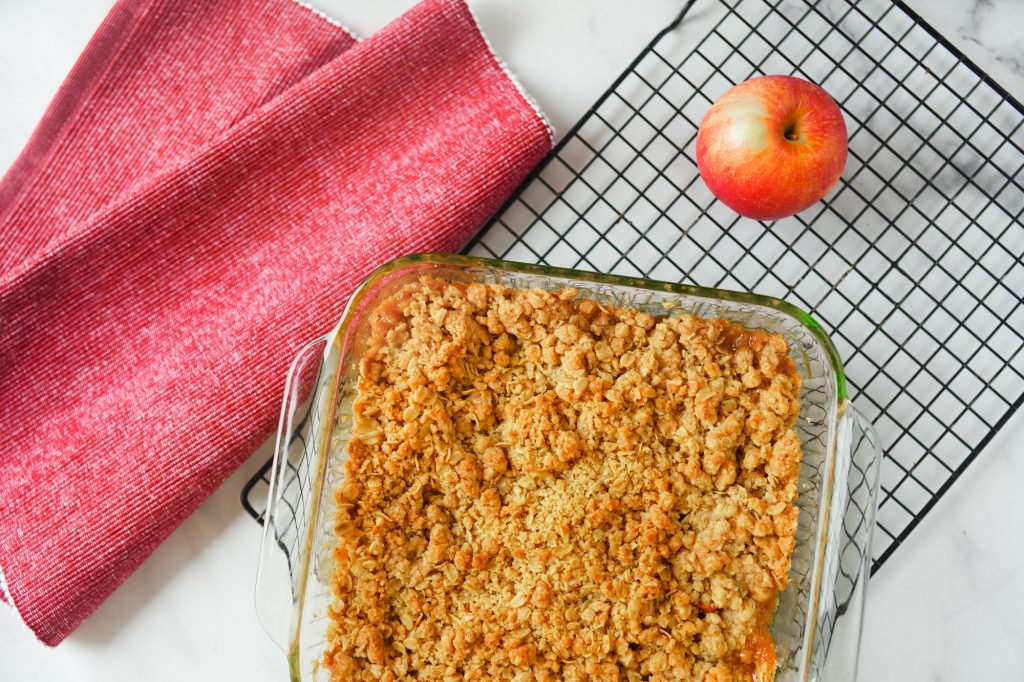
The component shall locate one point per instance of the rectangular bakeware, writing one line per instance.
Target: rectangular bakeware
(817, 623)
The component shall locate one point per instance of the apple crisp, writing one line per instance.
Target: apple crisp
(541, 487)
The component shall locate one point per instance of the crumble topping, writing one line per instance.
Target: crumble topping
(540, 487)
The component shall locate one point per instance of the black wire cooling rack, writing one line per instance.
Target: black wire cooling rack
(913, 263)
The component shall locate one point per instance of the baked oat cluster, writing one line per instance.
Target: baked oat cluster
(540, 487)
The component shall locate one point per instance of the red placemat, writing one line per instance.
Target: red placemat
(209, 185)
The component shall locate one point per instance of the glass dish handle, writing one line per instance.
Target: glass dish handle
(284, 519)
(861, 454)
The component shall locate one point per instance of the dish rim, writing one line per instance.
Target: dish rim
(334, 345)
(458, 260)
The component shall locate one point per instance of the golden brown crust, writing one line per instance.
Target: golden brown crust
(543, 488)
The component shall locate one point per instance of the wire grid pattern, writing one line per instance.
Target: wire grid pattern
(913, 263)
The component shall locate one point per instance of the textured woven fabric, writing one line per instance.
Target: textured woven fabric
(210, 184)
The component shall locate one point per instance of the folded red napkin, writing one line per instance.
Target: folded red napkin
(205, 191)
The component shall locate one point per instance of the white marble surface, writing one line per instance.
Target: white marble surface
(945, 608)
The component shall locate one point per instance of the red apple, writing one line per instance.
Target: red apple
(772, 146)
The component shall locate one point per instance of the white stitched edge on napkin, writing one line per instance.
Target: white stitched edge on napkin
(501, 62)
(515, 81)
(9, 598)
(326, 17)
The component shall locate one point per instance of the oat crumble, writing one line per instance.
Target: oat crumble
(543, 488)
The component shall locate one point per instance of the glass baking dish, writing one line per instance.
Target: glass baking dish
(817, 625)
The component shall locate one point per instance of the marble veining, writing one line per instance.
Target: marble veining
(944, 609)
(989, 32)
